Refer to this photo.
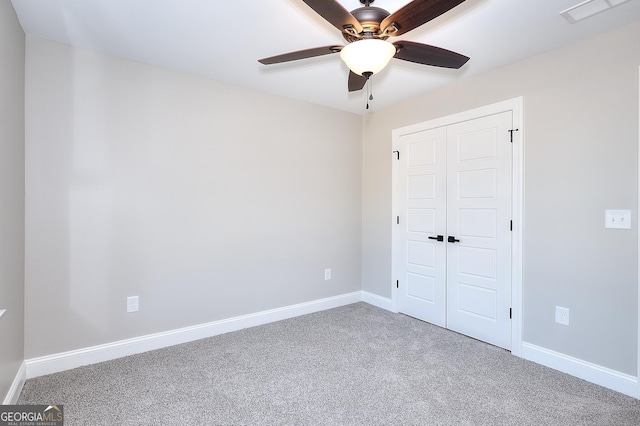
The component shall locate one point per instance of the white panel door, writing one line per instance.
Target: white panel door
(422, 207)
(454, 182)
(479, 228)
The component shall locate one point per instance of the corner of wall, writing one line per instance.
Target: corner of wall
(12, 128)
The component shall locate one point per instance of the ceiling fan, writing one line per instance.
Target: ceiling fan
(367, 29)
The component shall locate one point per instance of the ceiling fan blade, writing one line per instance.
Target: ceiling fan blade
(300, 54)
(417, 13)
(336, 15)
(356, 81)
(429, 55)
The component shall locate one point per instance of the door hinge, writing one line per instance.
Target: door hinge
(398, 154)
(397, 283)
(510, 313)
(511, 133)
(398, 220)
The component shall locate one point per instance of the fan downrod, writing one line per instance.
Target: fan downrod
(366, 2)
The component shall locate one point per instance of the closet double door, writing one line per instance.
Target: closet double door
(453, 246)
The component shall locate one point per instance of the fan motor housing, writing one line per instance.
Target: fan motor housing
(370, 19)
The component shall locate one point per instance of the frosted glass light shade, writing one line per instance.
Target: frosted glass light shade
(368, 55)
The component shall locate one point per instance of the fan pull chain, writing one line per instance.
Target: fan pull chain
(368, 93)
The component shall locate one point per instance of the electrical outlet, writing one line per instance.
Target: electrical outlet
(132, 304)
(562, 315)
(327, 274)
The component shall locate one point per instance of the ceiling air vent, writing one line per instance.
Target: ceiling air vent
(589, 8)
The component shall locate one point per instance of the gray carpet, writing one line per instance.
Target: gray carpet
(354, 365)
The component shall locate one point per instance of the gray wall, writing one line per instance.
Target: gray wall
(12, 42)
(581, 154)
(207, 200)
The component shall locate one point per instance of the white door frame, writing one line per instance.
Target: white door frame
(516, 106)
(638, 226)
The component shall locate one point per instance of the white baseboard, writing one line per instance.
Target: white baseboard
(16, 387)
(585, 370)
(379, 301)
(72, 359)
(49, 364)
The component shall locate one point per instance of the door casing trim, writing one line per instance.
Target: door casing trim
(638, 249)
(516, 106)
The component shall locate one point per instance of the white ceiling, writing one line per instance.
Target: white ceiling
(223, 39)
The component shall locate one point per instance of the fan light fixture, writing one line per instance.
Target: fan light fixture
(368, 56)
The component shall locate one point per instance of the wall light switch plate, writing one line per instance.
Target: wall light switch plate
(617, 219)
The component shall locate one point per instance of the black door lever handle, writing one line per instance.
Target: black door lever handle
(452, 239)
(439, 238)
